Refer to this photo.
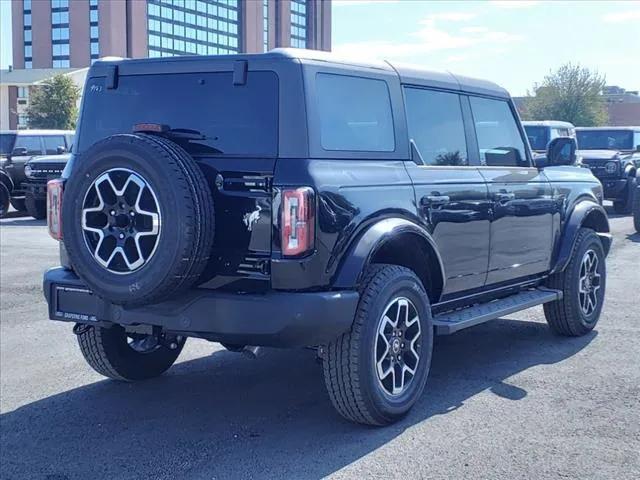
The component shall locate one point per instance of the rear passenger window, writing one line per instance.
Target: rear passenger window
(51, 144)
(32, 144)
(498, 135)
(355, 114)
(434, 120)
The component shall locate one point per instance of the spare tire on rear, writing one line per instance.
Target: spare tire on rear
(137, 219)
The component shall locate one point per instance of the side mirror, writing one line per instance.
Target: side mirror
(561, 151)
(540, 161)
(61, 150)
(19, 152)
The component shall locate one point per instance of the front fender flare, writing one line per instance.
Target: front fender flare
(586, 213)
(363, 249)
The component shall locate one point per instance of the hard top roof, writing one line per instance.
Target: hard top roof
(637, 129)
(38, 132)
(407, 73)
(548, 123)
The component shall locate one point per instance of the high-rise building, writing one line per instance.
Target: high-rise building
(72, 33)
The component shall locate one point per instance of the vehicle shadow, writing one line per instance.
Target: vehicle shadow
(634, 237)
(21, 221)
(225, 416)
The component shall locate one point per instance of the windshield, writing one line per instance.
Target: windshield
(6, 143)
(605, 139)
(538, 137)
(219, 118)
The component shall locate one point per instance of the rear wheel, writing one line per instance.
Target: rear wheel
(35, 207)
(19, 204)
(625, 205)
(583, 284)
(115, 354)
(377, 371)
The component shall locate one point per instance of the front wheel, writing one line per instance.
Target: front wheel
(19, 204)
(377, 371)
(4, 200)
(636, 210)
(35, 207)
(116, 354)
(583, 284)
(625, 205)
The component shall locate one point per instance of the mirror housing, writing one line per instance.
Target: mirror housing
(540, 161)
(561, 151)
(19, 152)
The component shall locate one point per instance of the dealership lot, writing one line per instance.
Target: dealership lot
(504, 400)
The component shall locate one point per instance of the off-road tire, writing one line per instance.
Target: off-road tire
(348, 362)
(565, 317)
(625, 206)
(19, 204)
(636, 210)
(107, 352)
(186, 203)
(36, 208)
(4, 200)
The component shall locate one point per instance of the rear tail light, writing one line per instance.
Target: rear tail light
(298, 221)
(54, 207)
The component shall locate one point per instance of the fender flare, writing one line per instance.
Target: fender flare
(359, 255)
(585, 213)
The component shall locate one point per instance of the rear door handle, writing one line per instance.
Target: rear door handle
(434, 200)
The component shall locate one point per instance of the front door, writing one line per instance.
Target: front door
(451, 195)
(521, 195)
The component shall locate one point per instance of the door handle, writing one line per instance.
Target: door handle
(434, 200)
(503, 197)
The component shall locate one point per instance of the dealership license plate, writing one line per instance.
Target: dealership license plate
(74, 304)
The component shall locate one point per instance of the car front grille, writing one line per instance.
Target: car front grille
(597, 167)
(46, 170)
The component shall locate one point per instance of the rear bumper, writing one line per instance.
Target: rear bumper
(277, 319)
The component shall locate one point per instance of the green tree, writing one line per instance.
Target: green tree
(572, 94)
(52, 104)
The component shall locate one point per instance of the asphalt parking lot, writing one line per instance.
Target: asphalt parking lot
(504, 400)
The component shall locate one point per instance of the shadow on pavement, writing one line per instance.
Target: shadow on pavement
(226, 416)
(634, 237)
(21, 221)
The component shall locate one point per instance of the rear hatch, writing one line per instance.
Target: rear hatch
(229, 127)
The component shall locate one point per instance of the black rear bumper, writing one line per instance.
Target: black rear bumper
(277, 319)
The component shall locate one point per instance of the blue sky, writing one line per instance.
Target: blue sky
(514, 43)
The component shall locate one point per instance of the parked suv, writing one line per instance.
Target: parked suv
(17, 147)
(540, 133)
(38, 171)
(292, 199)
(613, 155)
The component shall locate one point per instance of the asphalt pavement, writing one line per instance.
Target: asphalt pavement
(506, 399)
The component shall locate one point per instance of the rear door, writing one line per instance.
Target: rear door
(229, 127)
(521, 195)
(451, 194)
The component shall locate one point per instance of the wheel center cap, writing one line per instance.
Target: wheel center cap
(122, 220)
(395, 345)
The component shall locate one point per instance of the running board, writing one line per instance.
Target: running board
(450, 322)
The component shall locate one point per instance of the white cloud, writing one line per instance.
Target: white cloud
(449, 17)
(620, 17)
(513, 4)
(474, 29)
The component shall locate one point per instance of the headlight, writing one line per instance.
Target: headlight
(27, 171)
(611, 167)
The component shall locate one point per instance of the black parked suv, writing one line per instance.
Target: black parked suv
(613, 155)
(291, 199)
(38, 171)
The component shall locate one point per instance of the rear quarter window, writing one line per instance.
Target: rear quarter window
(354, 113)
(236, 120)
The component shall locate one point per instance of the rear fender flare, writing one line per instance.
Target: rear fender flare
(588, 214)
(360, 254)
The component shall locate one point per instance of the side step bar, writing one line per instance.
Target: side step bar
(450, 322)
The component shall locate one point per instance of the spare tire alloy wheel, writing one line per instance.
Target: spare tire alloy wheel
(121, 220)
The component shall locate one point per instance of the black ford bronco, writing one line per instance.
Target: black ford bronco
(613, 155)
(38, 171)
(293, 199)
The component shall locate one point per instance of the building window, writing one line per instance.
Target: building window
(60, 33)
(299, 23)
(265, 25)
(186, 27)
(26, 18)
(23, 92)
(94, 32)
(23, 120)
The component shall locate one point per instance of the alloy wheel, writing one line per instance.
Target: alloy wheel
(589, 282)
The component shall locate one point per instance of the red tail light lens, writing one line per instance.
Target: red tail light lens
(298, 221)
(54, 207)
